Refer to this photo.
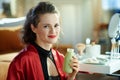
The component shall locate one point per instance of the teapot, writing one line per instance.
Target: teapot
(88, 50)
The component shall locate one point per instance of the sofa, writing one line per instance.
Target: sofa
(9, 47)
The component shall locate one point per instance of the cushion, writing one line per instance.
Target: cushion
(8, 57)
(3, 70)
(9, 39)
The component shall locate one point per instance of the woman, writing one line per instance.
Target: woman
(38, 61)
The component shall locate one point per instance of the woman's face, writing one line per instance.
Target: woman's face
(48, 29)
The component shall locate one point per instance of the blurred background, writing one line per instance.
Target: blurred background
(80, 19)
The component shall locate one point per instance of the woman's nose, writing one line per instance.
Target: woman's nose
(52, 30)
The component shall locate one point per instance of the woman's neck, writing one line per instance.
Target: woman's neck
(44, 46)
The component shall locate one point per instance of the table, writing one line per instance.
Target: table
(112, 66)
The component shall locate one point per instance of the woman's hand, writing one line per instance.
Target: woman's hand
(74, 64)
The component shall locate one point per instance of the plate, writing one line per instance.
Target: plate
(96, 61)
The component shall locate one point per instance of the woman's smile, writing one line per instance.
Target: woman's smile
(52, 36)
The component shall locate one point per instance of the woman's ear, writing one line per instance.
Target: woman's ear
(33, 28)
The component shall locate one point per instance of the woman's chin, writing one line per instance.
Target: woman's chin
(52, 41)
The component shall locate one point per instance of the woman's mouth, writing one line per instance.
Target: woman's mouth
(52, 36)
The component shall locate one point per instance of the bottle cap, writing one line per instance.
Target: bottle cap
(70, 50)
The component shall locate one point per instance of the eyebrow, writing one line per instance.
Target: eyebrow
(49, 24)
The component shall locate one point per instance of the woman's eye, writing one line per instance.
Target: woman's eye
(46, 26)
(56, 25)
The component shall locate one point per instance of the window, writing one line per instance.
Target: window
(111, 4)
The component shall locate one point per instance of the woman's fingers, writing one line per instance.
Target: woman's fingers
(74, 63)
